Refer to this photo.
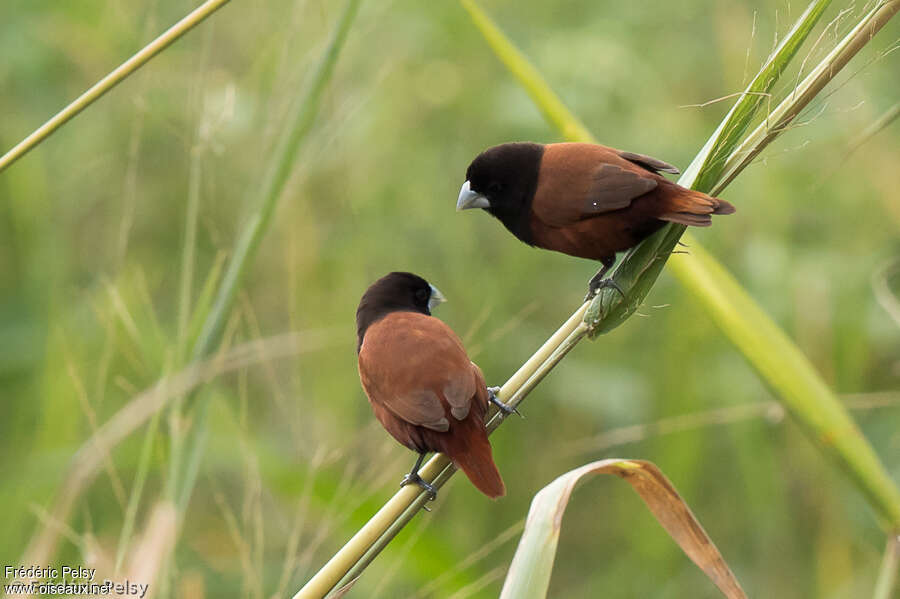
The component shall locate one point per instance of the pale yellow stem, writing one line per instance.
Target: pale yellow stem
(111, 80)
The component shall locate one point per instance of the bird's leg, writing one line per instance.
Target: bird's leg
(598, 282)
(506, 410)
(413, 478)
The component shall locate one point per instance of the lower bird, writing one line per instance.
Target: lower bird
(420, 382)
(584, 200)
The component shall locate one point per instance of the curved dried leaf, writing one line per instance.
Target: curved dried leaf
(532, 565)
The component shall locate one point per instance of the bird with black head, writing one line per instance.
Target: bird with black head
(420, 382)
(584, 200)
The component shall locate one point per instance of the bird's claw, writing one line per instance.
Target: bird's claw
(594, 288)
(415, 479)
(504, 408)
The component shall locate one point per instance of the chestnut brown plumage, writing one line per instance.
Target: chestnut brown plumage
(585, 200)
(421, 384)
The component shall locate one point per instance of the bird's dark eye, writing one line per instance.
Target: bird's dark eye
(495, 187)
(422, 295)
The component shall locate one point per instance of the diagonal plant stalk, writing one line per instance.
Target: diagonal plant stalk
(137, 488)
(636, 275)
(302, 118)
(793, 379)
(197, 16)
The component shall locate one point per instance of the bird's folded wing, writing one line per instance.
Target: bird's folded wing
(613, 188)
(589, 193)
(415, 366)
(421, 407)
(582, 181)
(650, 163)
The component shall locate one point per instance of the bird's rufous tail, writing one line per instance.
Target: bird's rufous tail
(471, 452)
(694, 208)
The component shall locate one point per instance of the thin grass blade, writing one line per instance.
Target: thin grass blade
(544, 97)
(134, 500)
(202, 307)
(197, 16)
(303, 115)
(789, 373)
(890, 568)
(301, 119)
(343, 590)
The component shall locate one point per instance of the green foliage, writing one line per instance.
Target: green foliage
(301, 118)
(293, 456)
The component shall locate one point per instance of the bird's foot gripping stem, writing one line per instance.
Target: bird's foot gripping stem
(597, 282)
(595, 287)
(413, 478)
(505, 409)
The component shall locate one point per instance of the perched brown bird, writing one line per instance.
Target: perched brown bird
(421, 384)
(584, 200)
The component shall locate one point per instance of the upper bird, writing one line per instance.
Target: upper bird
(585, 200)
(421, 384)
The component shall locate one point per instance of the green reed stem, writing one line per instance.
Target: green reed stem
(128, 67)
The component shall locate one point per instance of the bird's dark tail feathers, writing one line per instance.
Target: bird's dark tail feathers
(694, 208)
(471, 452)
(483, 473)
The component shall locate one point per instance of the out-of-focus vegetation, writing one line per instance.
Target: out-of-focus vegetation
(92, 231)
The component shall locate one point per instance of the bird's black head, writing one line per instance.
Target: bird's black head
(503, 180)
(394, 292)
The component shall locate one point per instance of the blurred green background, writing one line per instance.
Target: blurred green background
(92, 234)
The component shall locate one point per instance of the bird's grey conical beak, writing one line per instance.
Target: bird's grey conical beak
(470, 199)
(436, 298)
